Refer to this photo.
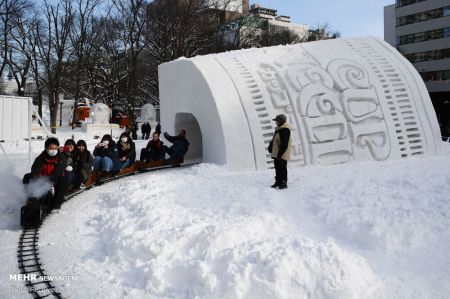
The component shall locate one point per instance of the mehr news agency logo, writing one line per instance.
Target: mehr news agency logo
(42, 278)
(33, 278)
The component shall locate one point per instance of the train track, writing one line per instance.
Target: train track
(38, 283)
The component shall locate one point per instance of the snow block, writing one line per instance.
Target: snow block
(354, 99)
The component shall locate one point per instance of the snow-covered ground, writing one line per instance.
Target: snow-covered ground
(370, 230)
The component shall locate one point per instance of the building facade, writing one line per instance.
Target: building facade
(278, 23)
(260, 21)
(420, 30)
(239, 6)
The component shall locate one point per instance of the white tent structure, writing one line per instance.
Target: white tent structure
(347, 100)
(15, 120)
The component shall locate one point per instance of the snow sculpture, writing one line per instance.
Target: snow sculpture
(346, 100)
(148, 113)
(100, 114)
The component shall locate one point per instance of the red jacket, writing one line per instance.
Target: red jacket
(51, 167)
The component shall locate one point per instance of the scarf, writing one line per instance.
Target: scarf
(125, 146)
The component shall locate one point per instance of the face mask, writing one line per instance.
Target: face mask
(106, 142)
(124, 139)
(52, 153)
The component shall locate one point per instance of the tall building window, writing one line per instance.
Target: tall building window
(429, 55)
(436, 75)
(446, 11)
(423, 16)
(407, 2)
(424, 36)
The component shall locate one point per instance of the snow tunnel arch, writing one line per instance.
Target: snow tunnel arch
(347, 100)
(188, 122)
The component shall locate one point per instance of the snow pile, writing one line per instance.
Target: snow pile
(12, 197)
(370, 230)
(229, 251)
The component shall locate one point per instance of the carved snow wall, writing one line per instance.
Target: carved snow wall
(347, 100)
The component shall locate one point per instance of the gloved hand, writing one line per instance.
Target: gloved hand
(69, 168)
(52, 190)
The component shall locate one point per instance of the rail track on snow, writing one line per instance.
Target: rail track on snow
(38, 283)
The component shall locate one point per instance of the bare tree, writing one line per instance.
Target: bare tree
(27, 37)
(230, 28)
(20, 58)
(322, 32)
(10, 12)
(130, 17)
(104, 67)
(178, 28)
(54, 50)
(81, 37)
(286, 37)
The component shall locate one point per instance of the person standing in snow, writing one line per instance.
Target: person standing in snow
(134, 130)
(280, 148)
(146, 128)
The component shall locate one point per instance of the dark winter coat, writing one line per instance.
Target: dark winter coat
(155, 149)
(110, 152)
(134, 130)
(52, 167)
(180, 144)
(83, 165)
(158, 129)
(146, 128)
(129, 153)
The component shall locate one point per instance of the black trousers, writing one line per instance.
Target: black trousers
(150, 155)
(280, 170)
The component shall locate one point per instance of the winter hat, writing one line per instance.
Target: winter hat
(280, 117)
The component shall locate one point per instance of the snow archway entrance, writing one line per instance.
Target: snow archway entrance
(346, 99)
(188, 122)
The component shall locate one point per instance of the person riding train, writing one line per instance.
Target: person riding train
(69, 150)
(51, 163)
(84, 161)
(106, 155)
(154, 150)
(180, 145)
(126, 150)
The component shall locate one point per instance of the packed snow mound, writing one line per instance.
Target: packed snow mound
(346, 100)
(12, 196)
(374, 230)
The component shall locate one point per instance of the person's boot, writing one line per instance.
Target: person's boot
(282, 185)
(276, 184)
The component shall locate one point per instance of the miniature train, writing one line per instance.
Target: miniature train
(34, 212)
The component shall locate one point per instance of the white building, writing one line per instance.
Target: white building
(262, 20)
(278, 23)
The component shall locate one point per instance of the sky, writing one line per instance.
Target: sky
(351, 18)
